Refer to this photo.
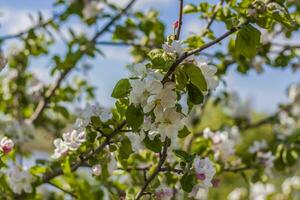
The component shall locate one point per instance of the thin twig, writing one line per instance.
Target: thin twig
(158, 169)
(51, 91)
(180, 15)
(48, 176)
(198, 50)
(40, 25)
(62, 189)
(215, 12)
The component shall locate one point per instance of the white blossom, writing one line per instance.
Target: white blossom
(74, 139)
(166, 97)
(169, 122)
(199, 193)
(205, 171)
(60, 150)
(6, 145)
(92, 8)
(71, 142)
(136, 140)
(237, 194)
(164, 193)
(141, 90)
(266, 159)
(258, 146)
(175, 48)
(209, 72)
(237, 108)
(287, 123)
(294, 93)
(88, 112)
(112, 164)
(3, 61)
(20, 180)
(223, 146)
(260, 191)
(96, 170)
(290, 184)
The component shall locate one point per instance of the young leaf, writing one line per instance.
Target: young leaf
(184, 132)
(187, 182)
(195, 95)
(196, 76)
(134, 117)
(154, 145)
(121, 89)
(247, 40)
(190, 8)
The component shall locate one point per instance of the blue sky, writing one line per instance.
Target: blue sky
(265, 90)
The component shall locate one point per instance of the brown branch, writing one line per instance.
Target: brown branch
(179, 20)
(51, 91)
(215, 12)
(83, 158)
(260, 122)
(63, 190)
(198, 50)
(40, 25)
(158, 169)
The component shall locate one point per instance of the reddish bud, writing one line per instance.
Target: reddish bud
(201, 176)
(216, 182)
(176, 24)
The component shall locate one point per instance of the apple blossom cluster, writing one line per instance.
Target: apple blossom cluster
(294, 97)
(149, 93)
(72, 140)
(92, 8)
(237, 108)
(290, 184)
(20, 180)
(260, 191)
(6, 145)
(205, 171)
(3, 61)
(223, 142)
(164, 193)
(263, 157)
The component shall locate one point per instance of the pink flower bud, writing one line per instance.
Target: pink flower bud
(201, 176)
(176, 24)
(216, 182)
(6, 145)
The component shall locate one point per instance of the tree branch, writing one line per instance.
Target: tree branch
(62, 189)
(51, 91)
(158, 169)
(83, 158)
(40, 25)
(179, 19)
(198, 50)
(215, 12)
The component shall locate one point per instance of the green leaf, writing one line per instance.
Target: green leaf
(184, 132)
(188, 182)
(184, 156)
(125, 149)
(154, 145)
(134, 117)
(279, 13)
(190, 8)
(181, 79)
(196, 76)
(160, 59)
(195, 95)
(66, 166)
(247, 41)
(121, 89)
